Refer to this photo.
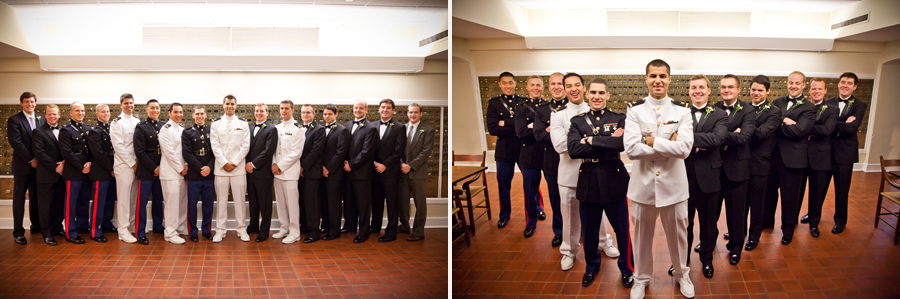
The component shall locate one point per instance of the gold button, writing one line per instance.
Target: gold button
(657, 174)
(657, 108)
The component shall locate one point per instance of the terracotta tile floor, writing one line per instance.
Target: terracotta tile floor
(862, 262)
(231, 269)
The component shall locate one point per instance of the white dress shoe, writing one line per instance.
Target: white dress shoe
(218, 237)
(290, 239)
(567, 263)
(610, 251)
(175, 240)
(637, 291)
(281, 234)
(244, 236)
(686, 286)
(127, 238)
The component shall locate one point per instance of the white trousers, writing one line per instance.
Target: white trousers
(175, 205)
(674, 224)
(126, 197)
(287, 201)
(568, 205)
(238, 186)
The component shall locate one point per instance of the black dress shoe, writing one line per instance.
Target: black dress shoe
(671, 270)
(414, 238)
(804, 219)
(628, 280)
(329, 237)
(751, 245)
(786, 240)
(726, 236)
(76, 240)
(348, 231)
(143, 241)
(529, 231)
(359, 239)
(734, 259)
(838, 228)
(697, 248)
(557, 240)
(588, 279)
(261, 238)
(60, 233)
(208, 236)
(310, 240)
(194, 238)
(502, 223)
(384, 239)
(708, 271)
(542, 216)
(814, 231)
(100, 239)
(21, 240)
(50, 241)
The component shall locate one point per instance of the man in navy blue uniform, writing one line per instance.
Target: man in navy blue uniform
(51, 195)
(197, 153)
(24, 166)
(550, 160)
(149, 154)
(501, 123)
(102, 176)
(531, 155)
(337, 142)
(596, 138)
(74, 149)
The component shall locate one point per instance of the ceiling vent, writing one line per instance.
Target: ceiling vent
(860, 19)
(434, 38)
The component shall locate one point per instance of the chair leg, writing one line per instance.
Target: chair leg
(465, 230)
(878, 211)
(487, 202)
(897, 230)
(471, 211)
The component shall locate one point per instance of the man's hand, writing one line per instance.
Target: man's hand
(34, 162)
(531, 125)
(738, 130)
(87, 168)
(547, 129)
(134, 167)
(59, 166)
(584, 140)
(113, 173)
(249, 167)
(346, 166)
(849, 120)
(405, 168)
(156, 171)
(184, 171)
(301, 172)
(674, 136)
(276, 169)
(229, 166)
(380, 168)
(204, 171)
(502, 123)
(590, 140)
(324, 171)
(618, 133)
(789, 121)
(649, 140)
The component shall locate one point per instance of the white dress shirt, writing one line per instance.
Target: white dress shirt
(172, 162)
(288, 151)
(121, 133)
(567, 173)
(230, 140)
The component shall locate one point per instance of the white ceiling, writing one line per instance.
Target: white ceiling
(720, 5)
(394, 3)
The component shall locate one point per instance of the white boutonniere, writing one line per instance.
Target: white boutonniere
(263, 126)
(764, 108)
(848, 103)
(823, 109)
(738, 108)
(422, 131)
(709, 109)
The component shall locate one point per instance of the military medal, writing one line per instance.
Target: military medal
(202, 151)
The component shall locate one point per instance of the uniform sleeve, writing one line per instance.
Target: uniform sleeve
(187, 152)
(558, 133)
(65, 149)
(93, 140)
(540, 127)
(493, 123)
(216, 143)
(167, 144)
(245, 145)
(577, 150)
(610, 143)
(296, 148)
(681, 147)
(522, 130)
(117, 135)
(140, 147)
(634, 148)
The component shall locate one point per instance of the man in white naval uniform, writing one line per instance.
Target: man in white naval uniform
(567, 179)
(121, 133)
(658, 137)
(286, 168)
(230, 139)
(172, 169)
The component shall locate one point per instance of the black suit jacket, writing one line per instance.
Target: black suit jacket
(705, 165)
(736, 151)
(361, 153)
(311, 158)
(197, 152)
(768, 120)
(102, 153)
(18, 134)
(508, 144)
(541, 123)
(46, 149)
(262, 149)
(791, 141)
(418, 152)
(606, 180)
(391, 148)
(146, 149)
(844, 141)
(532, 154)
(820, 137)
(336, 144)
(74, 149)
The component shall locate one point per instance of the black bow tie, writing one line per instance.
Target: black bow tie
(695, 109)
(729, 108)
(329, 126)
(385, 123)
(845, 100)
(306, 126)
(54, 127)
(356, 122)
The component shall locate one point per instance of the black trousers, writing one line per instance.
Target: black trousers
(788, 181)
(310, 195)
(51, 200)
(22, 183)
(357, 209)
(756, 194)
(591, 217)
(818, 188)
(704, 204)
(386, 193)
(330, 205)
(843, 174)
(734, 194)
(259, 193)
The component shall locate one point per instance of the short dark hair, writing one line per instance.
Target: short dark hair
(506, 74)
(26, 95)
(229, 97)
(389, 101)
(732, 76)
(308, 105)
(657, 63)
(287, 102)
(598, 80)
(573, 75)
(198, 107)
(151, 101)
(125, 96)
(844, 75)
(175, 104)
(761, 79)
(331, 107)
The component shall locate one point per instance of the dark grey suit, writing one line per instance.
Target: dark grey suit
(418, 150)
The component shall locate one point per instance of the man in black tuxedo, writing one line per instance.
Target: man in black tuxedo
(735, 164)
(391, 152)
(768, 120)
(310, 173)
(45, 146)
(419, 146)
(102, 176)
(789, 157)
(819, 154)
(361, 168)
(74, 149)
(704, 168)
(501, 122)
(18, 132)
(260, 180)
(337, 142)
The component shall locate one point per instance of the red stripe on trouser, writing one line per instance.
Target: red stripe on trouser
(540, 199)
(94, 219)
(68, 200)
(187, 214)
(630, 255)
(137, 211)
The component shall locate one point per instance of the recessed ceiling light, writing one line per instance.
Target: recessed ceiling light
(349, 0)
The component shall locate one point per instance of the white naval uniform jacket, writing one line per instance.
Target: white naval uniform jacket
(172, 163)
(230, 141)
(287, 153)
(658, 175)
(560, 121)
(121, 133)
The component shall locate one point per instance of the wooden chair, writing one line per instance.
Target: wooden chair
(461, 218)
(469, 191)
(894, 181)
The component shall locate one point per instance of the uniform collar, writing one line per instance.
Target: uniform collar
(125, 116)
(171, 122)
(229, 117)
(657, 102)
(290, 121)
